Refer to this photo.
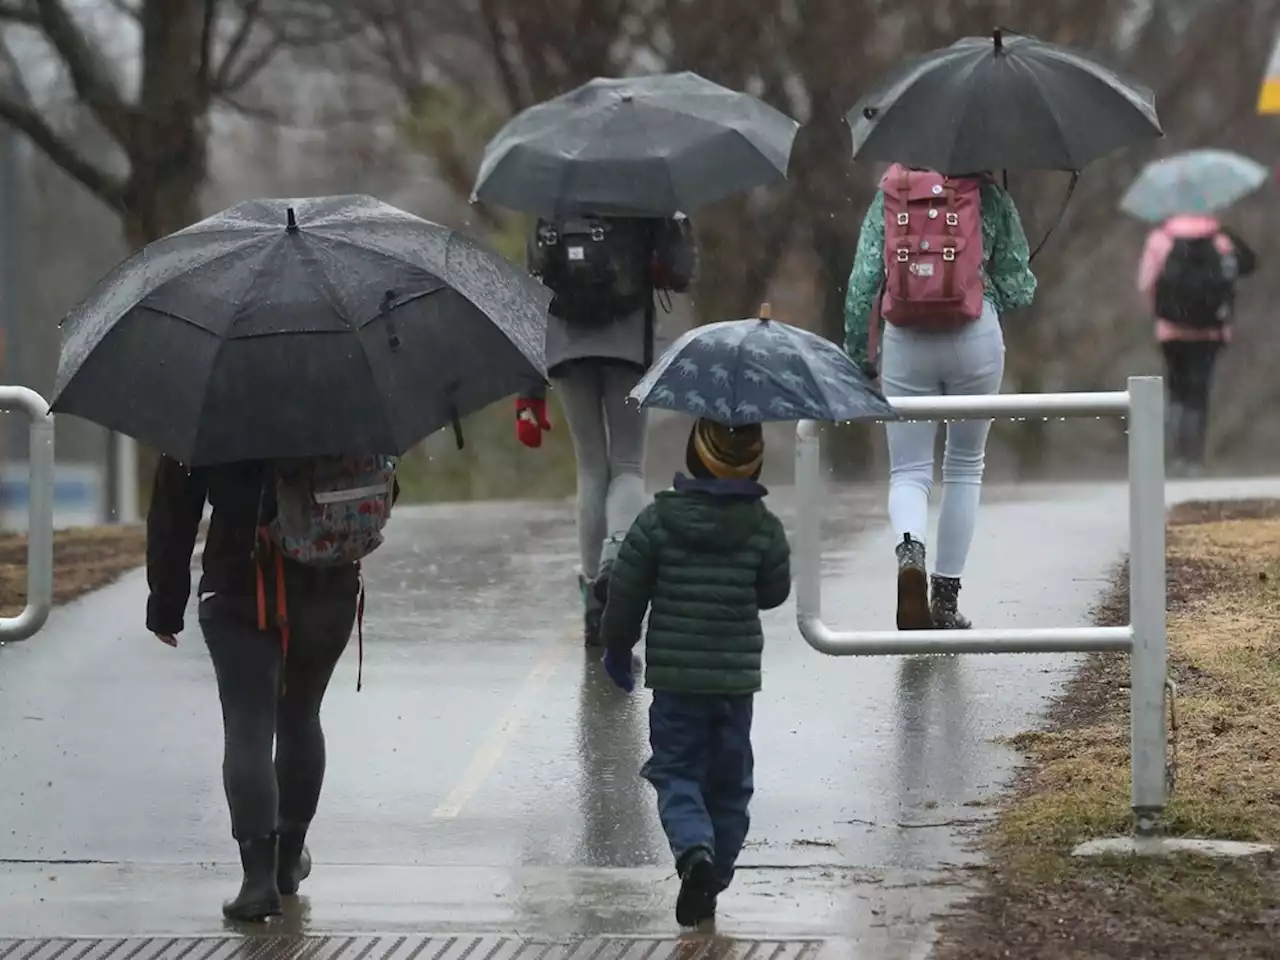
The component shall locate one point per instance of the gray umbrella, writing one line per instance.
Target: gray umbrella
(644, 147)
(1002, 103)
(290, 328)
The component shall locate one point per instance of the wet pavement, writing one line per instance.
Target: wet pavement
(486, 780)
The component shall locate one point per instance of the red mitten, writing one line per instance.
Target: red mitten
(531, 420)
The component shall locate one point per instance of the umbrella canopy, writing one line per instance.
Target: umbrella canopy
(1197, 181)
(756, 370)
(290, 328)
(1001, 103)
(642, 147)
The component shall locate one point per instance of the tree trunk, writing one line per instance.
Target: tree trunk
(168, 145)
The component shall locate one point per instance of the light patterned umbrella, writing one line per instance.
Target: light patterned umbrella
(757, 370)
(1197, 181)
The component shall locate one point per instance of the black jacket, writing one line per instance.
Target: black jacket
(235, 491)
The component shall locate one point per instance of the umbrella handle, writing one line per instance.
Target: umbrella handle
(766, 311)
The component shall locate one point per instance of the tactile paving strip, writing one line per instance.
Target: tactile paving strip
(409, 947)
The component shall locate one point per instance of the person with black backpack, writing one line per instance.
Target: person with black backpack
(1188, 274)
(605, 273)
(279, 597)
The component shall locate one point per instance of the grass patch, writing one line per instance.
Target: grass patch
(1036, 901)
(84, 559)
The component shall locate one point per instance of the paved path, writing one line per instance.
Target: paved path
(486, 777)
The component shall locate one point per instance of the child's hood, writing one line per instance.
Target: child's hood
(715, 514)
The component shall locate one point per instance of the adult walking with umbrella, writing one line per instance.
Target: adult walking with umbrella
(1187, 274)
(942, 258)
(610, 169)
(281, 354)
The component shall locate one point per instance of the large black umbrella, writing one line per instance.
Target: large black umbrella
(282, 328)
(1002, 103)
(642, 146)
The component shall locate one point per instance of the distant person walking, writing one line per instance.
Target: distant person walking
(941, 260)
(1188, 273)
(703, 559)
(605, 273)
(278, 599)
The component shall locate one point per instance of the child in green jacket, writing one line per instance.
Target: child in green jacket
(704, 558)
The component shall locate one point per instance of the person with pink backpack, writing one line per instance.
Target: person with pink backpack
(1188, 275)
(940, 260)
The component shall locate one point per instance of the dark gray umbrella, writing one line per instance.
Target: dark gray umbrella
(282, 328)
(1002, 103)
(643, 147)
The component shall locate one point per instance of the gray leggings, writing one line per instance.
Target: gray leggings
(264, 790)
(967, 361)
(609, 442)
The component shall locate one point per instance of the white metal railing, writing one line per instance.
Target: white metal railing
(39, 513)
(1144, 637)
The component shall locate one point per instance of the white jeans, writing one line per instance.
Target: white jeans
(967, 361)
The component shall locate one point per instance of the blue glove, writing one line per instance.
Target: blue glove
(618, 667)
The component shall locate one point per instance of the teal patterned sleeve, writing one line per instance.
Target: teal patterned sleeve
(1013, 285)
(864, 281)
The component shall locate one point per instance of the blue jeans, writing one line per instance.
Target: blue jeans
(702, 769)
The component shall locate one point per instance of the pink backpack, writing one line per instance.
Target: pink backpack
(933, 250)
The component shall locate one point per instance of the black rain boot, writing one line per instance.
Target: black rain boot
(1173, 438)
(913, 586)
(600, 585)
(294, 858)
(944, 604)
(1195, 425)
(259, 897)
(697, 899)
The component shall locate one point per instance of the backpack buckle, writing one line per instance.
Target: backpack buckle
(597, 234)
(903, 254)
(948, 253)
(904, 219)
(953, 219)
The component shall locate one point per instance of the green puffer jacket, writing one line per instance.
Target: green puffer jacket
(708, 556)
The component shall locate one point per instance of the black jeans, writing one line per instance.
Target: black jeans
(1189, 371)
(1189, 378)
(264, 790)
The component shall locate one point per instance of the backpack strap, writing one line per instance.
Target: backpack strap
(904, 188)
(949, 248)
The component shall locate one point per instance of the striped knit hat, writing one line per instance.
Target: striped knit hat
(726, 453)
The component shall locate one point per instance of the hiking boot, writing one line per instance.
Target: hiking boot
(913, 586)
(944, 604)
(294, 859)
(259, 896)
(697, 899)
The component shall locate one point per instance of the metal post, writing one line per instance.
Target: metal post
(1148, 662)
(39, 513)
(808, 523)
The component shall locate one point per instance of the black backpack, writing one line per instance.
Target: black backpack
(1197, 286)
(598, 270)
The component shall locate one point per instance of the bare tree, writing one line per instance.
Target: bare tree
(190, 56)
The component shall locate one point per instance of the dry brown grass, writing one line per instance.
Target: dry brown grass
(84, 559)
(1224, 638)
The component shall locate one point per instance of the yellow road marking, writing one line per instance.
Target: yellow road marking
(495, 744)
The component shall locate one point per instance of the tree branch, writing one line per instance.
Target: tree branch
(101, 184)
(207, 28)
(19, 12)
(221, 82)
(94, 85)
